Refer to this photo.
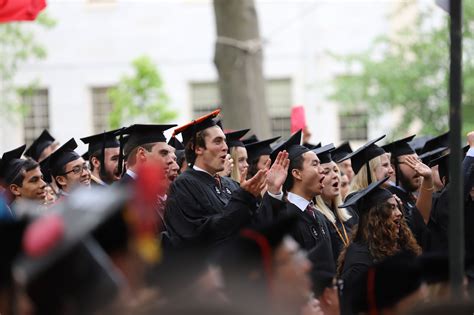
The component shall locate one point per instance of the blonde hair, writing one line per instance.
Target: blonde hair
(341, 213)
(235, 174)
(360, 180)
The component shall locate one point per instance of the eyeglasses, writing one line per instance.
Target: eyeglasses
(78, 169)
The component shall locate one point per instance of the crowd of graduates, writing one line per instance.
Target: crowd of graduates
(225, 223)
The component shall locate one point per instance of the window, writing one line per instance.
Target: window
(353, 125)
(37, 116)
(205, 98)
(101, 108)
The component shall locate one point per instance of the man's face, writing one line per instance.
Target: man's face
(292, 284)
(212, 158)
(384, 169)
(111, 158)
(161, 153)
(173, 167)
(76, 174)
(408, 177)
(311, 174)
(346, 168)
(33, 186)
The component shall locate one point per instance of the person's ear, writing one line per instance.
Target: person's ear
(15, 190)
(296, 173)
(95, 162)
(61, 180)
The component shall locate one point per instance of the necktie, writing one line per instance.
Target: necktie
(311, 210)
(217, 178)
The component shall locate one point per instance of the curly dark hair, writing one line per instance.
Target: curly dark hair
(379, 233)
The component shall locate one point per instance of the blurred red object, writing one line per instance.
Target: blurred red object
(298, 119)
(20, 10)
(43, 234)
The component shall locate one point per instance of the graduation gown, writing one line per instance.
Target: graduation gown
(357, 261)
(413, 217)
(198, 211)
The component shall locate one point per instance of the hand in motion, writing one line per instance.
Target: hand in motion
(277, 173)
(256, 184)
(420, 168)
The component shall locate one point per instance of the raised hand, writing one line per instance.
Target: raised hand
(228, 165)
(277, 173)
(420, 168)
(256, 184)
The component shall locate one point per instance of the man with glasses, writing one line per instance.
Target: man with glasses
(67, 168)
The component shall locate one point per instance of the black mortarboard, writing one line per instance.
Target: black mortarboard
(259, 148)
(324, 153)
(292, 146)
(101, 141)
(436, 142)
(427, 157)
(383, 287)
(74, 267)
(399, 147)
(11, 164)
(341, 152)
(175, 143)
(233, 138)
(190, 129)
(251, 139)
(58, 159)
(140, 134)
(364, 154)
(418, 143)
(37, 147)
(443, 163)
(368, 197)
(312, 146)
(85, 156)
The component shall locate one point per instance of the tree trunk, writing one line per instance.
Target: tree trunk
(239, 65)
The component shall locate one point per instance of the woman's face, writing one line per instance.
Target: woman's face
(396, 214)
(331, 181)
(384, 169)
(241, 154)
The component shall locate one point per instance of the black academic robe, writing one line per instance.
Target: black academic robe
(413, 217)
(311, 233)
(336, 241)
(198, 211)
(357, 261)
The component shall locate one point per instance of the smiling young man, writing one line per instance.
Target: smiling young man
(202, 207)
(67, 168)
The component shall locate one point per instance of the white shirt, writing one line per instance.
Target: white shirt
(470, 152)
(197, 168)
(298, 201)
(131, 173)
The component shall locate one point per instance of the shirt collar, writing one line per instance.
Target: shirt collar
(197, 168)
(131, 173)
(298, 201)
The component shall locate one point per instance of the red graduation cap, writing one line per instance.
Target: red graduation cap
(20, 10)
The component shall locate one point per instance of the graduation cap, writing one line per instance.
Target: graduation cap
(54, 164)
(341, 152)
(259, 148)
(427, 157)
(418, 143)
(436, 142)
(312, 146)
(292, 146)
(368, 197)
(98, 143)
(233, 138)
(383, 287)
(324, 153)
(400, 147)
(11, 164)
(175, 143)
(364, 154)
(72, 266)
(443, 163)
(251, 139)
(39, 144)
(190, 129)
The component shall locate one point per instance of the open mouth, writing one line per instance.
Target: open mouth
(335, 185)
